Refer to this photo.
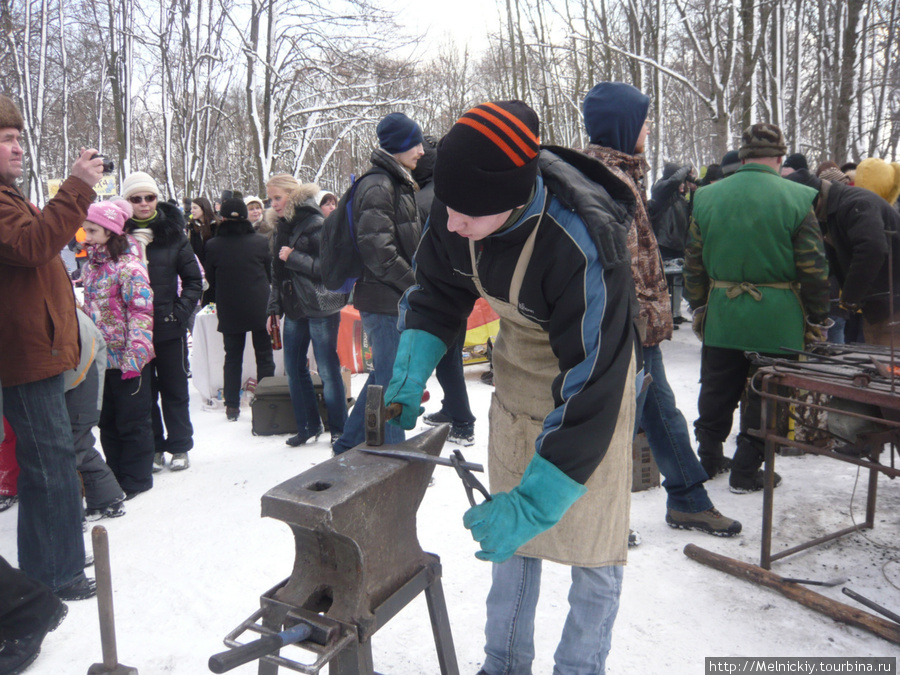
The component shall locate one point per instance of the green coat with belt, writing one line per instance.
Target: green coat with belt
(756, 258)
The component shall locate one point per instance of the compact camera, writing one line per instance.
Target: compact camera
(108, 165)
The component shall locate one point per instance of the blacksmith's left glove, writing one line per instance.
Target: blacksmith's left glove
(417, 356)
(512, 519)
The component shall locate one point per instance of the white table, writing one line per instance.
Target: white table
(208, 359)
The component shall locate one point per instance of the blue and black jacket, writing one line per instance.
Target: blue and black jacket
(578, 288)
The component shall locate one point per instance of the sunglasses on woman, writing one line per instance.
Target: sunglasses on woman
(137, 199)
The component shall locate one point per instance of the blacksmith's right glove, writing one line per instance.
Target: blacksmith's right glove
(418, 354)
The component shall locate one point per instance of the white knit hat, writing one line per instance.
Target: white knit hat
(139, 182)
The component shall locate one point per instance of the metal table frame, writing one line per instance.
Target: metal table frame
(766, 382)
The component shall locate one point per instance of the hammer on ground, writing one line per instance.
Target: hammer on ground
(377, 414)
(110, 665)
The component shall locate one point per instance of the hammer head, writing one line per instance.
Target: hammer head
(377, 414)
(375, 418)
(118, 669)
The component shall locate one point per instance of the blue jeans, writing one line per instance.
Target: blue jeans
(836, 332)
(323, 333)
(51, 546)
(670, 441)
(449, 372)
(586, 636)
(384, 338)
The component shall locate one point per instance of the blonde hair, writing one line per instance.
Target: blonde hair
(283, 181)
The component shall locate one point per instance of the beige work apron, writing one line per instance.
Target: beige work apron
(594, 531)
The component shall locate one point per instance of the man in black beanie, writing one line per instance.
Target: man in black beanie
(795, 162)
(547, 250)
(388, 227)
(731, 162)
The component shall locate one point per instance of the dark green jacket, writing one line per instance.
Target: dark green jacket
(756, 227)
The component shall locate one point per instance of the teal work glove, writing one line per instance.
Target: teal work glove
(512, 519)
(417, 356)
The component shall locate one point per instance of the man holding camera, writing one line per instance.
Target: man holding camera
(38, 343)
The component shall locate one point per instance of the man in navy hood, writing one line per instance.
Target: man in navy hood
(615, 116)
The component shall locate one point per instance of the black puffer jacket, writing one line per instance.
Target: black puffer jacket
(170, 257)
(388, 229)
(237, 265)
(862, 228)
(297, 289)
(670, 212)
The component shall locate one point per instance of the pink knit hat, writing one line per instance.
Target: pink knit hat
(110, 215)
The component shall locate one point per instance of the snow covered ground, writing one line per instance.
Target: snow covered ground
(192, 556)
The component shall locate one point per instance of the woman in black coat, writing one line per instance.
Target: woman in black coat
(238, 262)
(311, 313)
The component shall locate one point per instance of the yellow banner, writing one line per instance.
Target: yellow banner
(107, 187)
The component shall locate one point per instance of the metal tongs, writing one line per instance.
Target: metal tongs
(463, 468)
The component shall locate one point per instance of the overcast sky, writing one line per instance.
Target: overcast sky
(465, 21)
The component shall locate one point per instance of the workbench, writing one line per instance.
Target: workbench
(861, 374)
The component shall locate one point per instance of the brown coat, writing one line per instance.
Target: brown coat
(38, 328)
(655, 319)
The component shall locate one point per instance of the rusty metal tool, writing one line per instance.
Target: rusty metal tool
(468, 479)
(422, 457)
(463, 468)
(811, 582)
(871, 605)
(377, 414)
(110, 665)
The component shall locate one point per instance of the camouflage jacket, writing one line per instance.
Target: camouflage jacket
(655, 318)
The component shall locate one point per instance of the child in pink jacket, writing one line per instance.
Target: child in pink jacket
(118, 299)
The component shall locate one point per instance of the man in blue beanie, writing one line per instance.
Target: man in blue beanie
(388, 227)
(615, 115)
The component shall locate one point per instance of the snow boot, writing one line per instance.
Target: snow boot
(709, 521)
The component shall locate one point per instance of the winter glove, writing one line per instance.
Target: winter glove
(417, 356)
(817, 332)
(130, 374)
(512, 519)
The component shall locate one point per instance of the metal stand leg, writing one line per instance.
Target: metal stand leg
(768, 421)
(440, 626)
(355, 659)
(266, 668)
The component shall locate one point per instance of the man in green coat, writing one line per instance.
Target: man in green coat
(755, 267)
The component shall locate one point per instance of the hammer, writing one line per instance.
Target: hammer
(110, 665)
(377, 414)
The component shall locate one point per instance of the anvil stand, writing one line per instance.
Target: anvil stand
(358, 560)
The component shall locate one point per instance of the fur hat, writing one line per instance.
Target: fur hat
(233, 208)
(139, 182)
(488, 161)
(110, 215)
(10, 115)
(762, 140)
(397, 133)
(880, 177)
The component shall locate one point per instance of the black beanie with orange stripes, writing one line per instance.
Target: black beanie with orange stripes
(488, 161)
